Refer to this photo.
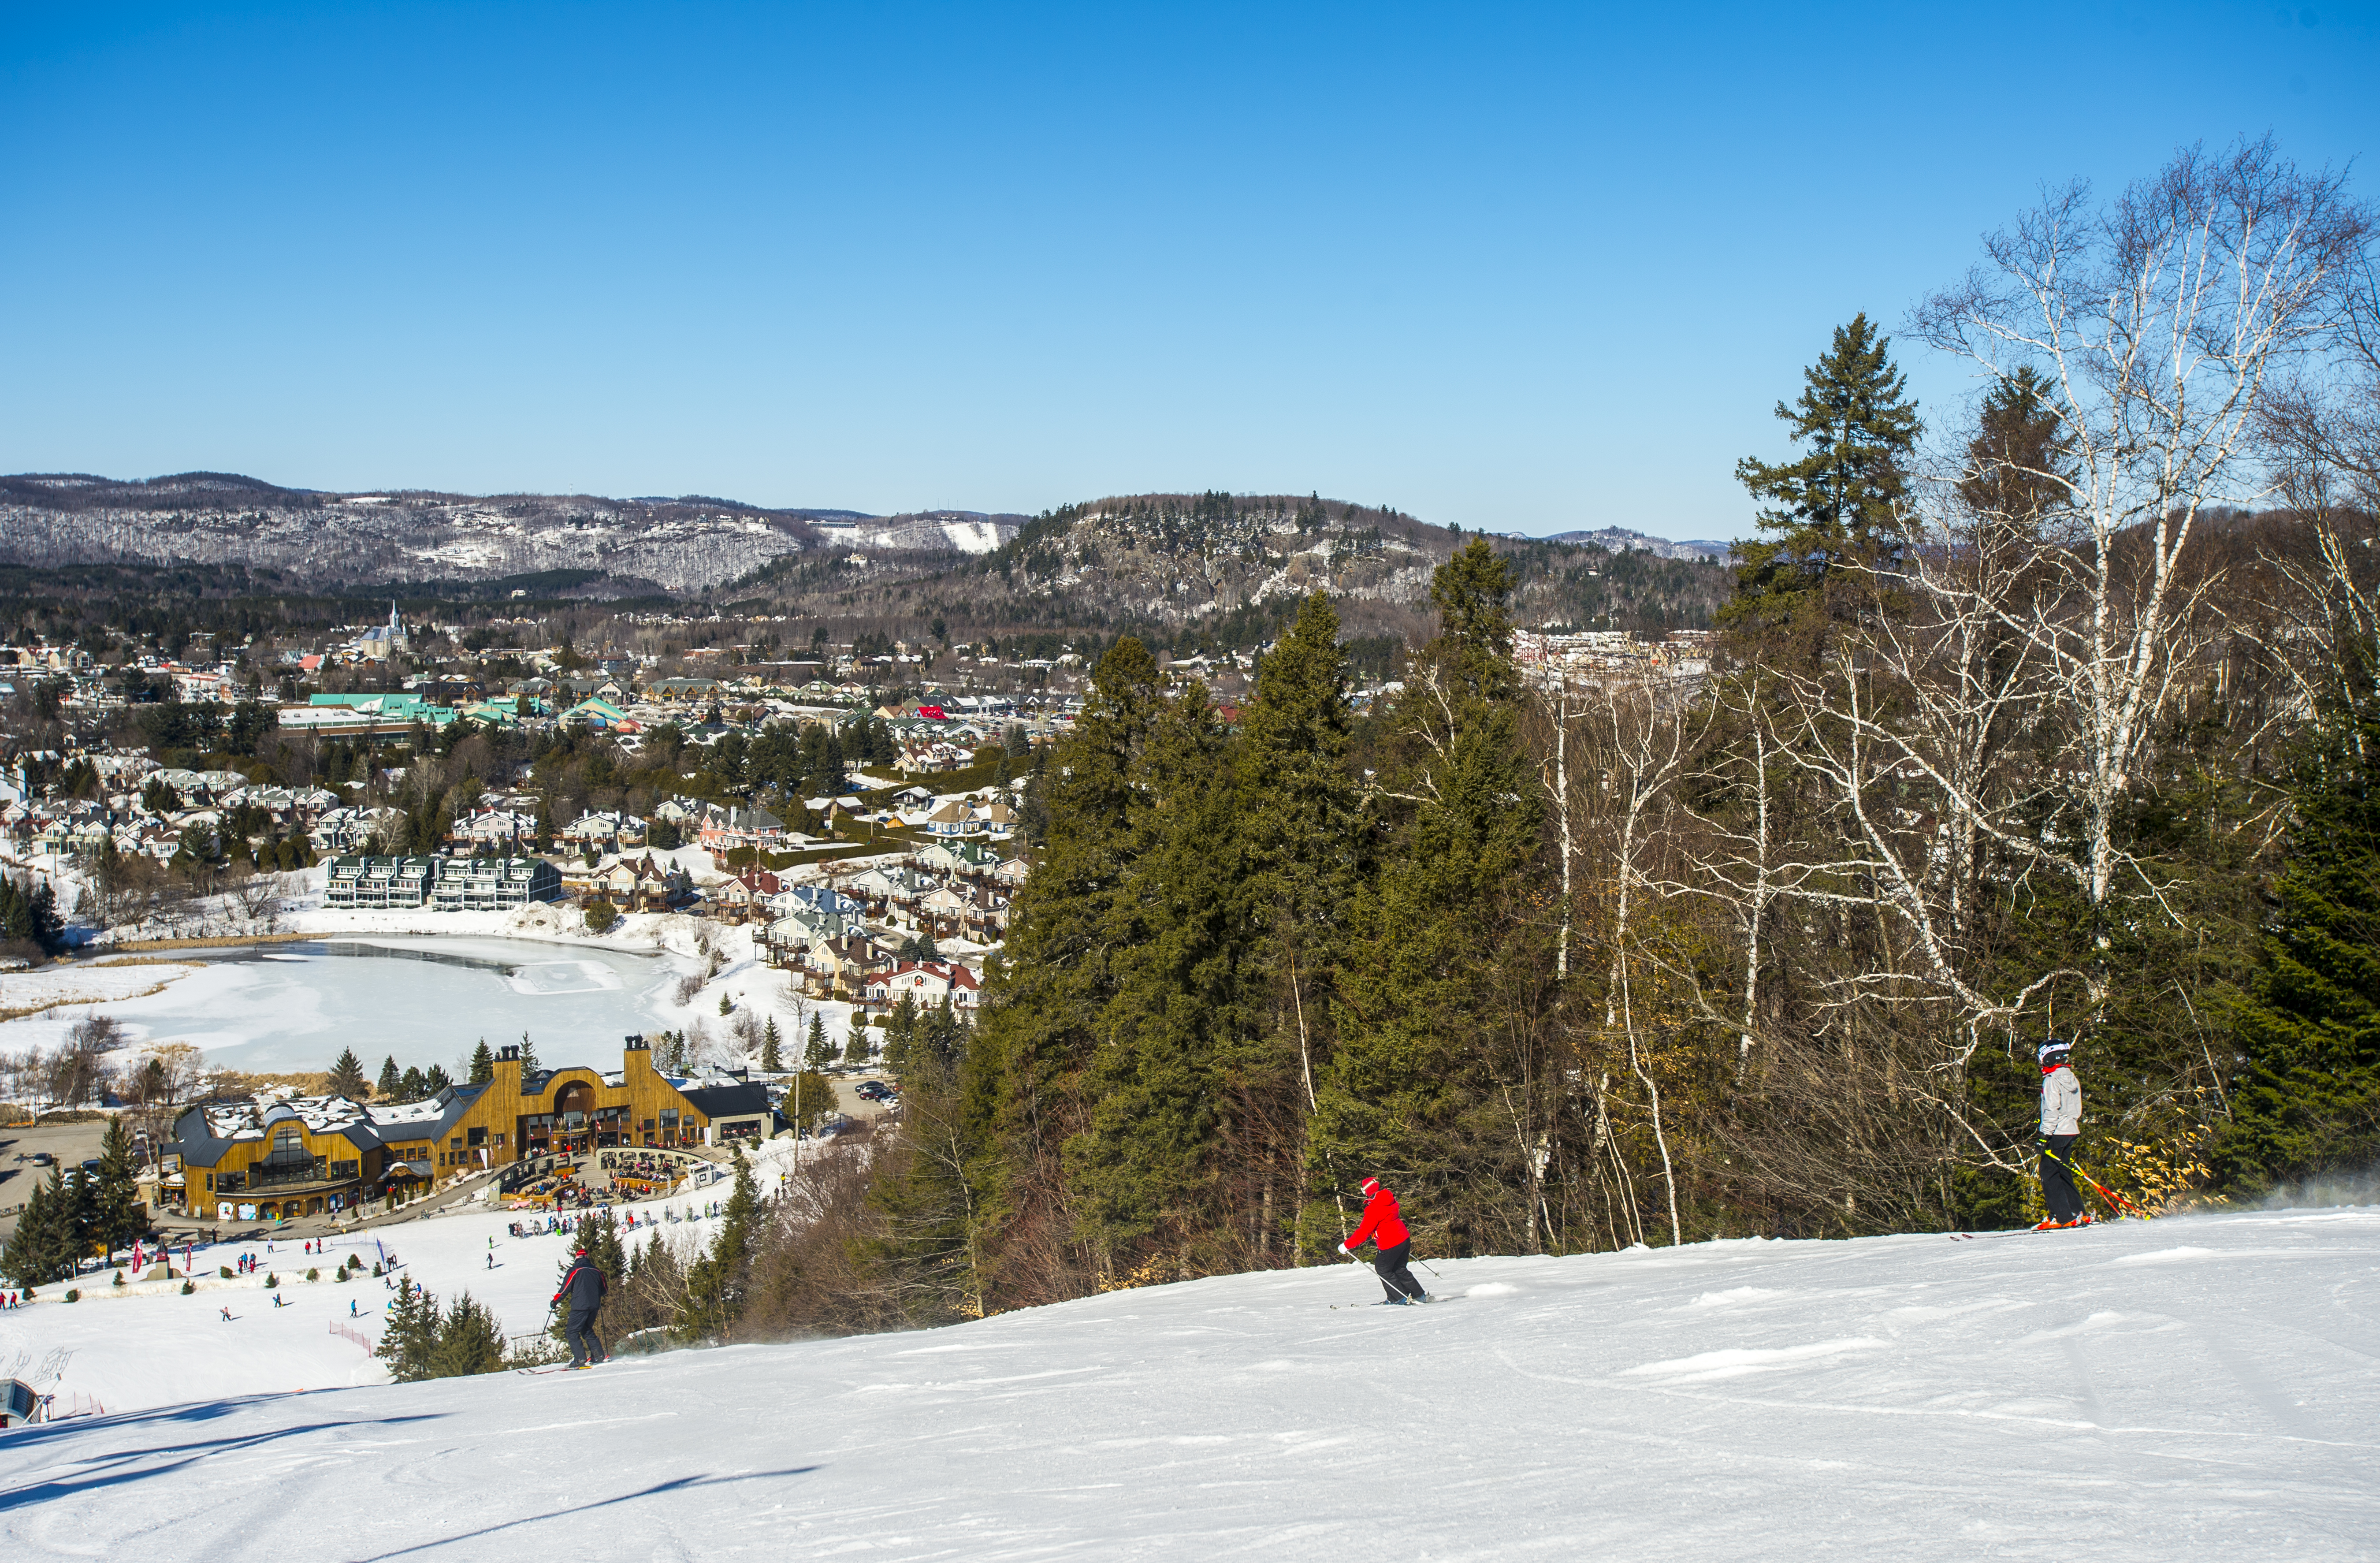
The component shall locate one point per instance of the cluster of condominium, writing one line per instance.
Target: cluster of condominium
(442, 884)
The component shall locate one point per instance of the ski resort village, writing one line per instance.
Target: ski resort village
(1014, 785)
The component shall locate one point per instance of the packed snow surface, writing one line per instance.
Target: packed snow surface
(2202, 1387)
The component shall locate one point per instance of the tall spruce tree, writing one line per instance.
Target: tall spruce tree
(392, 1084)
(1021, 1098)
(41, 1248)
(817, 1052)
(715, 1285)
(1412, 1090)
(771, 1056)
(347, 1075)
(1304, 848)
(1839, 505)
(116, 1214)
(483, 1063)
(2309, 1099)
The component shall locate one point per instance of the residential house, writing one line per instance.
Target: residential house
(926, 984)
(641, 884)
(745, 896)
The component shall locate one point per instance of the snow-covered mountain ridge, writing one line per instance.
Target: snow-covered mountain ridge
(2201, 1386)
(203, 517)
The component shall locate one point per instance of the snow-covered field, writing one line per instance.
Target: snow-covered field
(2204, 1387)
(146, 1345)
(84, 984)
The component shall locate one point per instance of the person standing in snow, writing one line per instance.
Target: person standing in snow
(2061, 1125)
(582, 1285)
(1382, 1226)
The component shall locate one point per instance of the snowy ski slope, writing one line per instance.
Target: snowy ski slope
(2202, 1387)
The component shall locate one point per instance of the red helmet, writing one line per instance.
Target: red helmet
(1371, 1186)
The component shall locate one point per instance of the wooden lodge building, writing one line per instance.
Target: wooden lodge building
(266, 1158)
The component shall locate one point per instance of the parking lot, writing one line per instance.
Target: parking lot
(70, 1143)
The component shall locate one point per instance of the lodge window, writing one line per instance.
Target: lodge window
(455, 1144)
(477, 1137)
(669, 1118)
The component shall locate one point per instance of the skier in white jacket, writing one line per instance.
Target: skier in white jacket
(2061, 1125)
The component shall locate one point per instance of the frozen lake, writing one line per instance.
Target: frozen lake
(425, 1002)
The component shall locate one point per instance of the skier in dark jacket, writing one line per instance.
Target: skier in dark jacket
(2061, 1125)
(1381, 1225)
(582, 1285)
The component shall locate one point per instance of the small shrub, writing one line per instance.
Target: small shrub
(223, 1270)
(375, 1269)
(119, 1278)
(271, 1282)
(315, 1274)
(343, 1276)
(73, 1294)
(188, 1287)
(355, 1262)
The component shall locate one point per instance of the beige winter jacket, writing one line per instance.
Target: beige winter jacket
(2062, 1102)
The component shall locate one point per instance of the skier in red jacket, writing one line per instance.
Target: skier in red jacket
(1383, 1227)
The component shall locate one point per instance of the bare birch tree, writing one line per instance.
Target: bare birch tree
(2154, 327)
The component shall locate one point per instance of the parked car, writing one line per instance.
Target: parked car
(876, 1091)
(43, 1158)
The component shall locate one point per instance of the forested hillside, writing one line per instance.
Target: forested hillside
(1215, 571)
(2026, 732)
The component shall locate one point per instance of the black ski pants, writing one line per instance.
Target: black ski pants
(1388, 1263)
(580, 1332)
(2057, 1183)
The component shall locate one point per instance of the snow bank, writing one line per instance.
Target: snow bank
(1915, 1397)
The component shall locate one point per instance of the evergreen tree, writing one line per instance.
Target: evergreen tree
(348, 1076)
(771, 1059)
(116, 1215)
(1004, 1124)
(1145, 1168)
(41, 1248)
(392, 1084)
(409, 1340)
(715, 1286)
(527, 1056)
(817, 1052)
(1411, 1090)
(856, 1048)
(1839, 504)
(483, 1063)
(435, 1079)
(468, 1341)
(900, 1031)
(2017, 463)
(2309, 1099)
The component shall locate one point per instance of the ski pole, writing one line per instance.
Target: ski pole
(2115, 1200)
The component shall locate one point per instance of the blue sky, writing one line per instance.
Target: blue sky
(1516, 267)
